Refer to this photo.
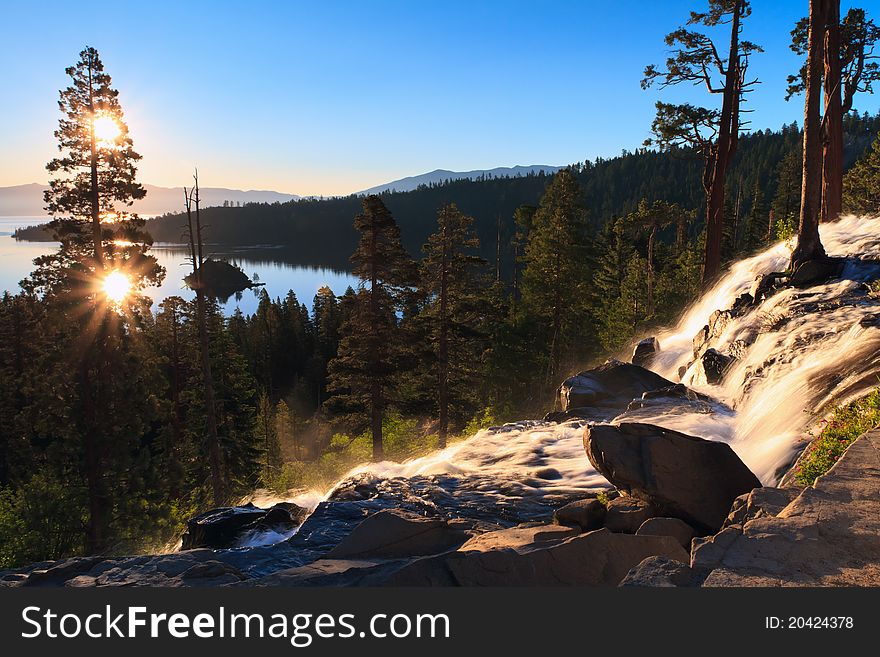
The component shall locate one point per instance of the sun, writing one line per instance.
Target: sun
(107, 130)
(116, 286)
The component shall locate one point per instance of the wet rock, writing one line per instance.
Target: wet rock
(397, 533)
(662, 572)
(700, 340)
(585, 514)
(645, 350)
(627, 513)
(674, 527)
(224, 527)
(763, 285)
(611, 385)
(714, 365)
(683, 476)
(814, 272)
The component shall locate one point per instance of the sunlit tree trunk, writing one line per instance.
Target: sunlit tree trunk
(728, 133)
(809, 247)
(832, 146)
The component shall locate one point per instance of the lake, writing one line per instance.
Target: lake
(264, 265)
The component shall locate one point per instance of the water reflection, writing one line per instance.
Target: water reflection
(269, 265)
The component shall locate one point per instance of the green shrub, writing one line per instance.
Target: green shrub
(846, 423)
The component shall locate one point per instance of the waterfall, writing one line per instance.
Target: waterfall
(797, 352)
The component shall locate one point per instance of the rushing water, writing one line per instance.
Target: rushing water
(264, 264)
(807, 348)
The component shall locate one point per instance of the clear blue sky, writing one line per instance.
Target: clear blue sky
(332, 97)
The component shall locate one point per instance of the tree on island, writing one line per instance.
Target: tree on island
(714, 134)
(362, 376)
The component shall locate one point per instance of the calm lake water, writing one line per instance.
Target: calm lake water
(261, 264)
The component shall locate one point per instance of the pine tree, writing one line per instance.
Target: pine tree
(362, 376)
(756, 221)
(557, 273)
(861, 186)
(449, 283)
(92, 286)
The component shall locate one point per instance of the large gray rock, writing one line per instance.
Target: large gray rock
(661, 572)
(714, 365)
(585, 514)
(674, 527)
(613, 384)
(397, 533)
(627, 513)
(683, 476)
(645, 350)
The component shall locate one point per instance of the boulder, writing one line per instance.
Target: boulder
(627, 513)
(398, 533)
(661, 572)
(815, 272)
(611, 385)
(714, 365)
(645, 351)
(674, 527)
(683, 476)
(586, 514)
(224, 527)
(760, 502)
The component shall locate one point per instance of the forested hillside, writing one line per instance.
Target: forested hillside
(320, 232)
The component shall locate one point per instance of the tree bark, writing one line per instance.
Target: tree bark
(651, 239)
(832, 146)
(97, 240)
(809, 246)
(724, 150)
(443, 346)
(376, 397)
(218, 487)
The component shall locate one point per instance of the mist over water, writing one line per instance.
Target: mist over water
(800, 351)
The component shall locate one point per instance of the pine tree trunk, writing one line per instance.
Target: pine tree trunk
(651, 239)
(94, 192)
(376, 400)
(832, 146)
(725, 147)
(809, 247)
(94, 472)
(443, 348)
(217, 480)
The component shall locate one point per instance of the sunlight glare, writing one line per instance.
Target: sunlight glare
(116, 286)
(107, 130)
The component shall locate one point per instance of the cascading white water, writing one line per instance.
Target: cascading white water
(806, 349)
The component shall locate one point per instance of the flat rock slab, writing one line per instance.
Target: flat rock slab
(828, 536)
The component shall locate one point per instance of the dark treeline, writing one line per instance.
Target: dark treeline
(319, 232)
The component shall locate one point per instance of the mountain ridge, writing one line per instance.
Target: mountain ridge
(410, 183)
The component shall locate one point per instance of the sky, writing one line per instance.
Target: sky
(324, 98)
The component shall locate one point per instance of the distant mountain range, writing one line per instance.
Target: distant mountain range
(442, 175)
(27, 200)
